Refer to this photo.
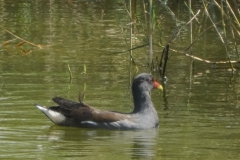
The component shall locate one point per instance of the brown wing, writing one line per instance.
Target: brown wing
(64, 103)
(83, 112)
(108, 116)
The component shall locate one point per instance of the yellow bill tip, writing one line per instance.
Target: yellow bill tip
(157, 85)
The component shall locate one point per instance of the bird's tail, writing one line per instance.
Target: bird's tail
(54, 116)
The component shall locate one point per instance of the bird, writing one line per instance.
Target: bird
(80, 114)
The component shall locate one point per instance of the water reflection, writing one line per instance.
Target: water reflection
(137, 144)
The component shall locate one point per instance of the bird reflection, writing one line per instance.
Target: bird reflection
(140, 144)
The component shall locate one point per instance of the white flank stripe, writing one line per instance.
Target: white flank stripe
(89, 122)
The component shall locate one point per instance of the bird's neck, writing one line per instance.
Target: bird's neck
(142, 101)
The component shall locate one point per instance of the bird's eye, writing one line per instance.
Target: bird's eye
(151, 80)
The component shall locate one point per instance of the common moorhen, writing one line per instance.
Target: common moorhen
(144, 115)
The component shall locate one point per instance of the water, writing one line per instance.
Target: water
(199, 113)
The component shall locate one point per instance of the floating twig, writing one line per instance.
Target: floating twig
(198, 58)
(7, 42)
(39, 45)
(21, 43)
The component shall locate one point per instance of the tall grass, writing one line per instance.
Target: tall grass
(230, 16)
